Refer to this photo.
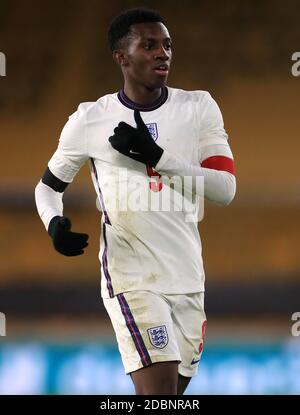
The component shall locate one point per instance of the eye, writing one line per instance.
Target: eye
(149, 46)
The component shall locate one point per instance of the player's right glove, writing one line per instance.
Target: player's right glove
(136, 143)
(66, 242)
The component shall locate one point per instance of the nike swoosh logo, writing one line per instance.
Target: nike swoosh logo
(195, 361)
(134, 152)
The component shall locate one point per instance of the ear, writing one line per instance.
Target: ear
(120, 57)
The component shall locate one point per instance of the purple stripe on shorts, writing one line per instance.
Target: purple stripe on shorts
(134, 331)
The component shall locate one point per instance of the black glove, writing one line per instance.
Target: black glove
(66, 242)
(136, 143)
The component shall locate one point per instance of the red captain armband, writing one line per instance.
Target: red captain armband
(219, 163)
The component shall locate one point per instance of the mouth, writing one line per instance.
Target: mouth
(162, 70)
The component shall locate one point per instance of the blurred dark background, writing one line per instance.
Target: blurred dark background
(240, 51)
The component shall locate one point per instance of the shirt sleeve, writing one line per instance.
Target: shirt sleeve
(49, 203)
(219, 186)
(213, 139)
(71, 152)
(214, 156)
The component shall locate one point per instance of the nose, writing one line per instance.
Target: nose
(162, 53)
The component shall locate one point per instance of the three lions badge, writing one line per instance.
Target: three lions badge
(158, 336)
(152, 128)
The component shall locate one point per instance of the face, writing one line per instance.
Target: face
(146, 55)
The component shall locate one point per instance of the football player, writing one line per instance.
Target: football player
(152, 272)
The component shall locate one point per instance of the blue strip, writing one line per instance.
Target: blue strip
(100, 194)
(105, 265)
(106, 221)
(134, 331)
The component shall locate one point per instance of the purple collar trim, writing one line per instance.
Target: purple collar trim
(149, 107)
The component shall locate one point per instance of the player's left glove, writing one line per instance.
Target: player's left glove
(136, 143)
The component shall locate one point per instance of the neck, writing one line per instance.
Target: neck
(140, 94)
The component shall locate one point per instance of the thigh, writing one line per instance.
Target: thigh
(157, 379)
(189, 325)
(144, 329)
(183, 383)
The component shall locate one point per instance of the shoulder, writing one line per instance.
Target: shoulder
(200, 102)
(184, 96)
(88, 109)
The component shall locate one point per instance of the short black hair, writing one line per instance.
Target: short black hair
(120, 26)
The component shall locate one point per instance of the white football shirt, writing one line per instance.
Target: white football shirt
(143, 248)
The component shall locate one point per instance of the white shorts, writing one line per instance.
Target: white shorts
(152, 327)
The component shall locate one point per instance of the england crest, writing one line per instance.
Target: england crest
(152, 127)
(158, 336)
